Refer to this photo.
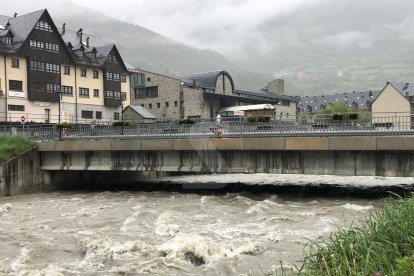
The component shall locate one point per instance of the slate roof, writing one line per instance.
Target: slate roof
(22, 25)
(205, 79)
(356, 100)
(404, 88)
(4, 19)
(143, 112)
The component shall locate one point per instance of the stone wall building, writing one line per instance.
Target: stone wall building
(201, 95)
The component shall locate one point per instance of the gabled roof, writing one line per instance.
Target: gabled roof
(22, 25)
(206, 79)
(142, 111)
(103, 52)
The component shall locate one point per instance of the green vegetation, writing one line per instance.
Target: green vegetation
(188, 121)
(384, 245)
(259, 118)
(65, 125)
(123, 123)
(12, 146)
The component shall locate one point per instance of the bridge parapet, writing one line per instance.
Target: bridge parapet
(237, 144)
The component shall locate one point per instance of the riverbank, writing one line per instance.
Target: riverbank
(11, 146)
(383, 245)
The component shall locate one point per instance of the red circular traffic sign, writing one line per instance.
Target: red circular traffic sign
(22, 119)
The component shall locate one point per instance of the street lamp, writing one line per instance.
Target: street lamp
(60, 111)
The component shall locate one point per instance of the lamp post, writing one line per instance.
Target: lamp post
(60, 110)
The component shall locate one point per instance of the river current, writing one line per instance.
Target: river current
(165, 233)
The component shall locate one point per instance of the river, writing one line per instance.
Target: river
(165, 233)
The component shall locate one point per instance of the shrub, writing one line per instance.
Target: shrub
(259, 118)
(123, 123)
(12, 146)
(65, 125)
(188, 121)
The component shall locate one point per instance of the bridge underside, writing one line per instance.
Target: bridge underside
(374, 163)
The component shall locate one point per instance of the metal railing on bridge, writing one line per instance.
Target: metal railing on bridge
(317, 125)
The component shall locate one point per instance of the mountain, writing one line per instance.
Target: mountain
(331, 46)
(321, 47)
(139, 46)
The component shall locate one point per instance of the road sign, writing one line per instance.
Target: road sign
(239, 113)
(22, 119)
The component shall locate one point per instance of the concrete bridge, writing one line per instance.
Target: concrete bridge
(381, 156)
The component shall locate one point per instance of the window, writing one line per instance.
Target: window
(98, 115)
(44, 26)
(175, 103)
(167, 104)
(52, 88)
(66, 70)
(116, 77)
(158, 105)
(95, 74)
(13, 107)
(8, 40)
(96, 92)
(44, 66)
(86, 114)
(83, 72)
(37, 45)
(111, 58)
(80, 53)
(15, 63)
(147, 92)
(67, 90)
(123, 79)
(15, 85)
(116, 115)
(51, 47)
(150, 106)
(109, 76)
(83, 92)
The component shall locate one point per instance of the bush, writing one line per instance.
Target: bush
(188, 121)
(123, 123)
(65, 125)
(259, 118)
(12, 146)
(383, 244)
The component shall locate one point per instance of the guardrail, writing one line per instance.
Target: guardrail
(316, 126)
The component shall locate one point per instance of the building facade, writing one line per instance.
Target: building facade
(49, 75)
(394, 105)
(202, 95)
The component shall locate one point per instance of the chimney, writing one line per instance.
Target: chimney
(407, 94)
(79, 34)
(194, 84)
(87, 42)
(277, 87)
(15, 14)
(63, 28)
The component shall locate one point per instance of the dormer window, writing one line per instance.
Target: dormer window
(8, 40)
(80, 53)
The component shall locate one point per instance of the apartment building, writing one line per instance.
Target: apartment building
(50, 75)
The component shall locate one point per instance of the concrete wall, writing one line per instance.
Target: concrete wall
(21, 175)
(382, 156)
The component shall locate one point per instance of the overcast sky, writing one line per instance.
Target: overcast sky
(194, 21)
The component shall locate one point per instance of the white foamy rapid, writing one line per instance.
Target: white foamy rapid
(164, 233)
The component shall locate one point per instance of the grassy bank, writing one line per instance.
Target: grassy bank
(12, 146)
(384, 245)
